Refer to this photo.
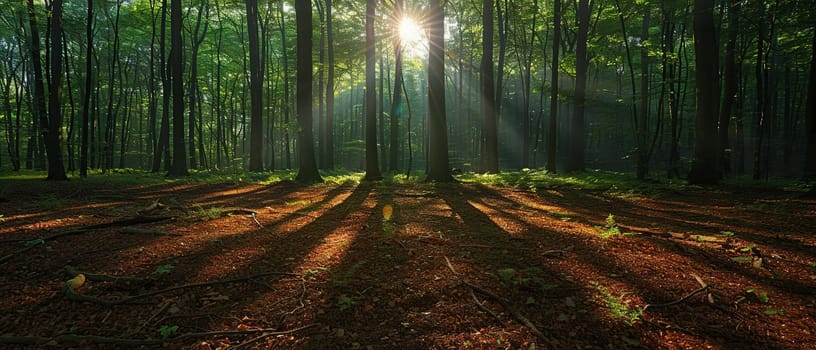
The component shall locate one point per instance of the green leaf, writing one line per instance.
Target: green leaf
(771, 312)
(727, 233)
(164, 269)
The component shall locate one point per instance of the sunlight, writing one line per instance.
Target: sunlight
(412, 35)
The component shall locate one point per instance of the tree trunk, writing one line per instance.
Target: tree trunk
(438, 168)
(372, 164)
(810, 118)
(730, 85)
(643, 122)
(286, 103)
(86, 104)
(576, 162)
(705, 162)
(329, 132)
(396, 102)
(162, 154)
(307, 165)
(553, 131)
(490, 125)
(255, 90)
(179, 163)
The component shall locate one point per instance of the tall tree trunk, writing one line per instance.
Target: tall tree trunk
(810, 118)
(576, 162)
(396, 101)
(329, 132)
(731, 84)
(198, 35)
(53, 127)
(372, 163)
(162, 154)
(40, 116)
(490, 124)
(705, 162)
(553, 131)
(307, 165)
(643, 122)
(86, 104)
(179, 163)
(286, 98)
(255, 90)
(438, 168)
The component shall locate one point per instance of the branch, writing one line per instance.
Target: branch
(704, 287)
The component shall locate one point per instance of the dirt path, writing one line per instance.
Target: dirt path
(286, 266)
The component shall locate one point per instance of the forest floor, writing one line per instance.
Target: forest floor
(202, 265)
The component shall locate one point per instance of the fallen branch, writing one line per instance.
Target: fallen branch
(122, 222)
(705, 287)
(73, 295)
(504, 303)
(72, 271)
(145, 231)
(38, 340)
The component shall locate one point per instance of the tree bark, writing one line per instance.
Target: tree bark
(438, 168)
(576, 162)
(705, 168)
(329, 132)
(490, 124)
(307, 165)
(810, 118)
(179, 163)
(255, 90)
(396, 102)
(553, 131)
(730, 85)
(372, 163)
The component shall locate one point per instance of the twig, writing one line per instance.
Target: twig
(504, 303)
(73, 295)
(144, 231)
(163, 307)
(705, 287)
(72, 271)
(256, 220)
(485, 308)
(35, 340)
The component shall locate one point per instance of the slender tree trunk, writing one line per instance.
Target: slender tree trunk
(39, 111)
(255, 90)
(810, 118)
(705, 162)
(286, 98)
(643, 122)
(731, 84)
(490, 125)
(179, 163)
(162, 147)
(553, 131)
(307, 165)
(329, 136)
(197, 38)
(372, 164)
(86, 104)
(438, 168)
(396, 102)
(576, 162)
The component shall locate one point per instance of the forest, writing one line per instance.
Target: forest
(408, 174)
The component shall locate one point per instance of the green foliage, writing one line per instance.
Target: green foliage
(527, 278)
(164, 269)
(771, 312)
(742, 259)
(344, 302)
(762, 296)
(728, 233)
(168, 331)
(618, 307)
(211, 213)
(610, 228)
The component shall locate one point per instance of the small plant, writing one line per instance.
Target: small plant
(728, 233)
(610, 228)
(164, 269)
(344, 302)
(168, 331)
(507, 277)
(748, 248)
(209, 213)
(527, 278)
(771, 312)
(762, 296)
(743, 259)
(617, 306)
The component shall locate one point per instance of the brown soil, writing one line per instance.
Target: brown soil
(355, 280)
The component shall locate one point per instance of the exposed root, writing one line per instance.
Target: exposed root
(704, 287)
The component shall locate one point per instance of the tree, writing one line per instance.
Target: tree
(255, 90)
(705, 162)
(329, 132)
(179, 163)
(438, 168)
(86, 105)
(396, 100)
(53, 125)
(372, 164)
(731, 83)
(810, 117)
(553, 132)
(307, 164)
(490, 156)
(161, 151)
(576, 162)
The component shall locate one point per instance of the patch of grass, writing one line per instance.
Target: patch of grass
(527, 278)
(610, 228)
(342, 278)
(168, 331)
(618, 307)
(208, 214)
(49, 202)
